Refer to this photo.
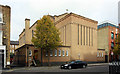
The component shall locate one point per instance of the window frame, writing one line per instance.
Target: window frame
(111, 35)
(102, 54)
(116, 35)
(98, 54)
(30, 52)
(66, 52)
(51, 53)
(112, 45)
(1, 16)
(59, 52)
(55, 52)
(62, 53)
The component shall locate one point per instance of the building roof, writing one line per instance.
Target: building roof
(22, 31)
(106, 24)
(5, 6)
(61, 19)
(57, 15)
(26, 45)
(76, 15)
(14, 42)
(33, 24)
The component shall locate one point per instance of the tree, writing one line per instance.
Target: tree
(116, 50)
(46, 35)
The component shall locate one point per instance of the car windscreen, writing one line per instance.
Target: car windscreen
(72, 62)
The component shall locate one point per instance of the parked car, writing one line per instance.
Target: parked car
(74, 64)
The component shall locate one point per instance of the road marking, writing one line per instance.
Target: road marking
(28, 69)
(8, 71)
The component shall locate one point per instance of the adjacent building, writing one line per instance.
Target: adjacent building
(2, 49)
(5, 35)
(78, 34)
(107, 33)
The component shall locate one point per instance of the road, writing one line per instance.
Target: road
(90, 69)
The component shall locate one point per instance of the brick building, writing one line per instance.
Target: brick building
(107, 32)
(78, 34)
(5, 14)
(2, 49)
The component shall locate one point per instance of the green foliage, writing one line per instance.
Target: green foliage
(46, 34)
(116, 50)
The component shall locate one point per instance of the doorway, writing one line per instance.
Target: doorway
(36, 54)
(106, 58)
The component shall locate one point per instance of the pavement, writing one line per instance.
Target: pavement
(98, 64)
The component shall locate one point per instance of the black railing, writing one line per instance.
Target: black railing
(114, 67)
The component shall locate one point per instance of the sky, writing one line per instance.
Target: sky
(99, 10)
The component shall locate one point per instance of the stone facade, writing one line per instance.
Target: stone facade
(78, 34)
(81, 35)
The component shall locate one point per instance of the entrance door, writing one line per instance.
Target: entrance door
(106, 58)
(1, 60)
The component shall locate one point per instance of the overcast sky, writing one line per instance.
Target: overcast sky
(99, 10)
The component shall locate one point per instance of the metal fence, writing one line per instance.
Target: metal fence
(114, 67)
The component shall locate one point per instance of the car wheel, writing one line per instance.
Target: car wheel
(84, 66)
(61, 67)
(69, 67)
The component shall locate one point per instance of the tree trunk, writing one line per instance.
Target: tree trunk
(48, 59)
(41, 57)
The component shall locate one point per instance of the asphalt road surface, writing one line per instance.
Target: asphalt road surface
(102, 69)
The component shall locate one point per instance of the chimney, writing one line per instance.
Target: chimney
(27, 25)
